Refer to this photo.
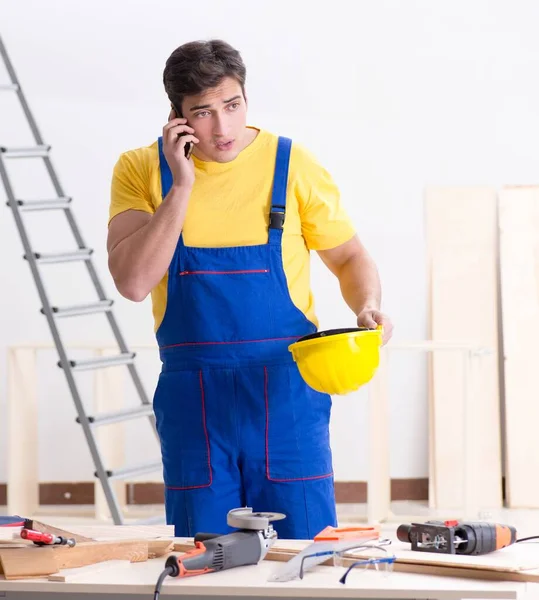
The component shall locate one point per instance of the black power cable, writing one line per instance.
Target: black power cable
(172, 569)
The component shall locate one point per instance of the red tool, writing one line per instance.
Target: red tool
(46, 538)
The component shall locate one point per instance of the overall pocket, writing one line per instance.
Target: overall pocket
(179, 407)
(225, 305)
(297, 427)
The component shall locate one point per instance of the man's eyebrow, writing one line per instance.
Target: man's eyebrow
(199, 106)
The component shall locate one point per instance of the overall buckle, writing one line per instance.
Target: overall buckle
(276, 220)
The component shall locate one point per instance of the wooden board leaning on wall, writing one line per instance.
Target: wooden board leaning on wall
(461, 235)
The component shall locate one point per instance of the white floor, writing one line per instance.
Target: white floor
(526, 521)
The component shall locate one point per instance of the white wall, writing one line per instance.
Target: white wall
(391, 96)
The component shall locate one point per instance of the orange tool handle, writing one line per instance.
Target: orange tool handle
(196, 562)
(331, 534)
(505, 536)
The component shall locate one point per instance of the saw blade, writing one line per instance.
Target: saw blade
(312, 556)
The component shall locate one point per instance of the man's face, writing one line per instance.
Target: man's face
(219, 117)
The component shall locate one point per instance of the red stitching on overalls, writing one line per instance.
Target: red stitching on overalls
(244, 272)
(195, 487)
(267, 442)
(293, 337)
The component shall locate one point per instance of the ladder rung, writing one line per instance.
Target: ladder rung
(87, 364)
(121, 415)
(63, 257)
(9, 87)
(134, 471)
(81, 309)
(26, 152)
(33, 205)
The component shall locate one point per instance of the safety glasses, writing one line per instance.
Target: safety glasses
(382, 563)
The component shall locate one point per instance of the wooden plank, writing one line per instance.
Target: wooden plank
(22, 463)
(519, 266)
(20, 563)
(379, 477)
(38, 561)
(158, 548)
(430, 390)
(461, 230)
(71, 575)
(44, 528)
(118, 532)
(89, 553)
(431, 425)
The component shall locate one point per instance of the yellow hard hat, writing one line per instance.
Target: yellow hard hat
(338, 361)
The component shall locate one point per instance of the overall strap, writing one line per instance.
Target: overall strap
(278, 197)
(166, 175)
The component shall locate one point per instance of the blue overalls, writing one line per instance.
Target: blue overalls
(238, 426)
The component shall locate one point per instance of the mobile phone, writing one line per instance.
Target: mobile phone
(189, 145)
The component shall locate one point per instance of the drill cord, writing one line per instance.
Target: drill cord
(168, 571)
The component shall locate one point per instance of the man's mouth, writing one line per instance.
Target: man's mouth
(222, 146)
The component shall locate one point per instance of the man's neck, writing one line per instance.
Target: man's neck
(250, 136)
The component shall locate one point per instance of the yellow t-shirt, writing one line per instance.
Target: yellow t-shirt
(230, 203)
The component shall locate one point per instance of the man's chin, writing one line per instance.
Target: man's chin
(224, 157)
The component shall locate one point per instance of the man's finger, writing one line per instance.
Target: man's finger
(173, 137)
(177, 128)
(367, 320)
(174, 123)
(183, 140)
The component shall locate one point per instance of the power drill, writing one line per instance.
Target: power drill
(454, 537)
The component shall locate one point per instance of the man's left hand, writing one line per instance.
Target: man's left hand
(372, 318)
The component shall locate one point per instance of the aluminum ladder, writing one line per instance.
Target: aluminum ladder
(53, 313)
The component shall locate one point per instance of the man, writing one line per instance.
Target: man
(221, 240)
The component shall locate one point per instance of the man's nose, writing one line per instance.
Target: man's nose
(220, 128)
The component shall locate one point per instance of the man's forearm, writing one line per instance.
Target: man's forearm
(360, 283)
(140, 261)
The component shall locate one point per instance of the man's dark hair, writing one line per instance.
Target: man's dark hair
(200, 65)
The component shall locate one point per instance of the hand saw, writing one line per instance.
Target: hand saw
(326, 543)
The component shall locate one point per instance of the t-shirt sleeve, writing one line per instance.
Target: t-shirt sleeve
(130, 185)
(325, 223)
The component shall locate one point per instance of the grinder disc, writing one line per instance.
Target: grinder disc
(245, 518)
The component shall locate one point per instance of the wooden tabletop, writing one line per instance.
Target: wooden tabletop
(121, 578)
(322, 582)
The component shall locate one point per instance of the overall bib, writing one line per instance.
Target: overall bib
(238, 426)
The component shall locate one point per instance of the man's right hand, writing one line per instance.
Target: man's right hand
(182, 168)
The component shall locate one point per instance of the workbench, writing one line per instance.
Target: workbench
(136, 581)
